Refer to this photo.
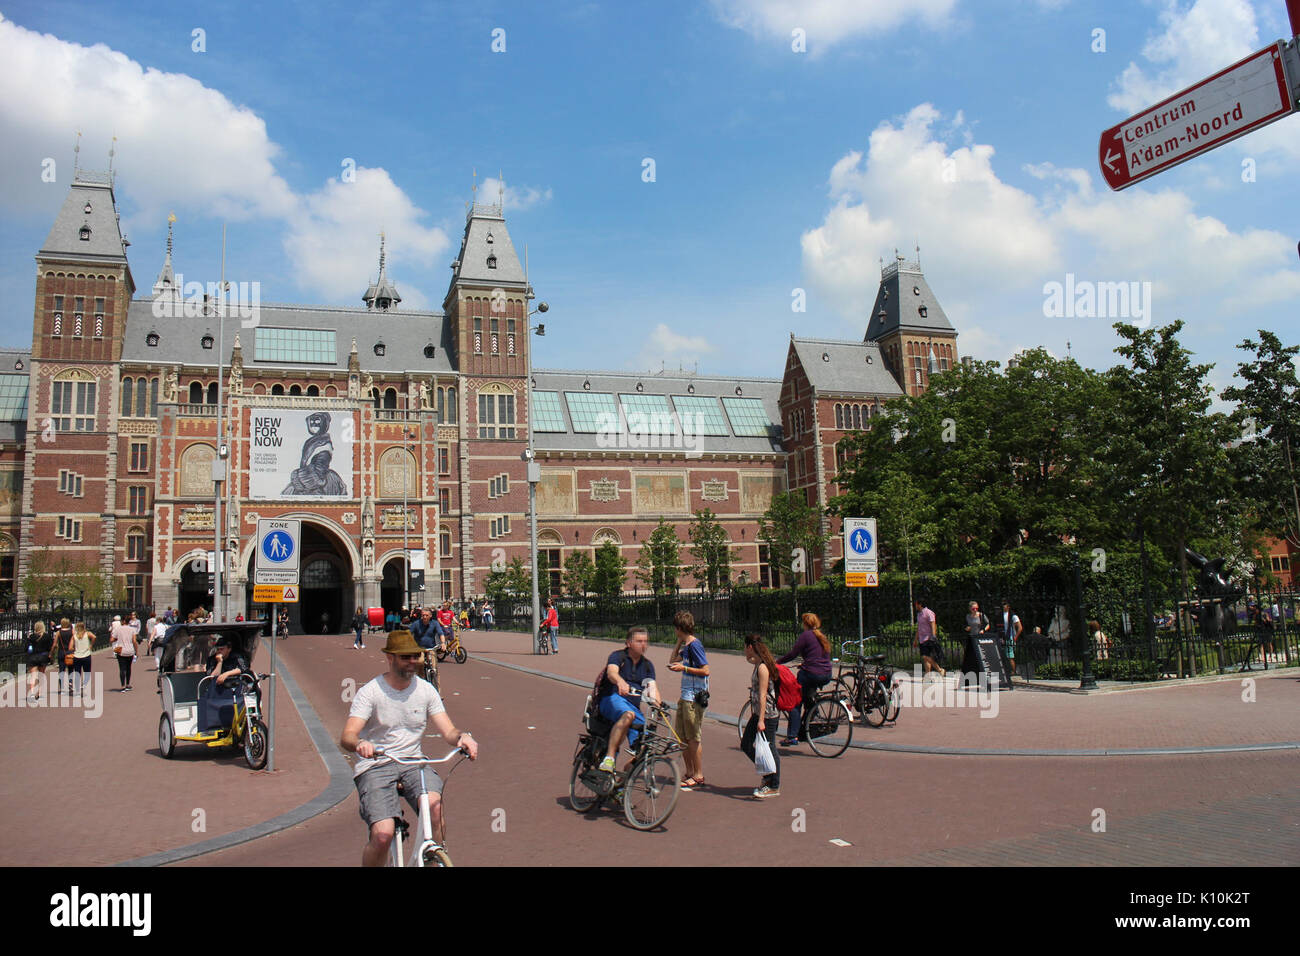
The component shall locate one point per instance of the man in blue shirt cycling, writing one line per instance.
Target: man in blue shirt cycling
(629, 674)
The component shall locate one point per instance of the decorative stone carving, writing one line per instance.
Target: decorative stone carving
(170, 386)
(396, 473)
(252, 517)
(198, 519)
(354, 387)
(196, 471)
(391, 519)
(715, 490)
(367, 517)
(555, 494)
(368, 555)
(424, 394)
(756, 492)
(368, 385)
(604, 489)
(236, 380)
(349, 517)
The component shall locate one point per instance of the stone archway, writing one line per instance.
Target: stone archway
(326, 572)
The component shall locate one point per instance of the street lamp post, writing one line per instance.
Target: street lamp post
(534, 470)
(406, 549)
(219, 613)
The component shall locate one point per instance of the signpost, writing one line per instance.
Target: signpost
(860, 566)
(1247, 95)
(276, 574)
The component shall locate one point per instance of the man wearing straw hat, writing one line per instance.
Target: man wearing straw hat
(390, 713)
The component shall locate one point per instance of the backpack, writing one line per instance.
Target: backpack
(789, 694)
(599, 683)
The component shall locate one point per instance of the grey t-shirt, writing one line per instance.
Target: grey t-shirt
(395, 720)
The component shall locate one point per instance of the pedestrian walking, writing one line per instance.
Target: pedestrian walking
(124, 641)
(489, 617)
(1011, 628)
(1265, 629)
(159, 636)
(926, 641)
(359, 628)
(814, 650)
(82, 643)
(1100, 642)
(688, 658)
(39, 645)
(976, 624)
(63, 653)
(764, 715)
(552, 624)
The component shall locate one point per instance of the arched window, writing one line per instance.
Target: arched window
(212, 393)
(390, 398)
(451, 406)
(196, 393)
(128, 393)
(374, 395)
(141, 398)
(839, 416)
(857, 416)
(153, 398)
(277, 389)
(441, 404)
(295, 389)
(313, 390)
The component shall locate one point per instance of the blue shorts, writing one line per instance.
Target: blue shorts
(615, 706)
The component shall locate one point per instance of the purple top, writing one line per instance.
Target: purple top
(815, 660)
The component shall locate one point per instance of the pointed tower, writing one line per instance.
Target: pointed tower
(915, 337)
(166, 292)
(382, 295)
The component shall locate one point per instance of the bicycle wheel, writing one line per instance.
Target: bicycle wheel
(650, 793)
(895, 703)
(743, 719)
(829, 727)
(431, 675)
(460, 654)
(876, 704)
(256, 745)
(581, 797)
(844, 688)
(437, 857)
(440, 654)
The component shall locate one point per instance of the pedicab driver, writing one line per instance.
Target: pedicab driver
(390, 713)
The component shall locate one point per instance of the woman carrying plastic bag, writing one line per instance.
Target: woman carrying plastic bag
(763, 718)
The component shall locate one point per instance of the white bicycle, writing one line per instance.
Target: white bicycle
(426, 851)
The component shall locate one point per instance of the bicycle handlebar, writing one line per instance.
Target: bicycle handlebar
(380, 754)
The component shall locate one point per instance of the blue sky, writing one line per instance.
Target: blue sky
(967, 126)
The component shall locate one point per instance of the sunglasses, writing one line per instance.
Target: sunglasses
(408, 657)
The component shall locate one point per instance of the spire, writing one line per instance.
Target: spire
(382, 294)
(165, 285)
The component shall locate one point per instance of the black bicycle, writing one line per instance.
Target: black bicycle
(647, 789)
(867, 685)
(827, 722)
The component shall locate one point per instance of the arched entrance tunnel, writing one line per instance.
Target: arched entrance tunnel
(326, 597)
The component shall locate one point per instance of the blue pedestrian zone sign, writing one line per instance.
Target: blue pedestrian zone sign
(277, 547)
(860, 541)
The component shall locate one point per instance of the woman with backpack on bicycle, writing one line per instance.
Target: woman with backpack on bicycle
(814, 673)
(763, 713)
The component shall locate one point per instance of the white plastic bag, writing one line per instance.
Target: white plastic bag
(764, 762)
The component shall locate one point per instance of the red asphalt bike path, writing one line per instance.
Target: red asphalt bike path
(510, 808)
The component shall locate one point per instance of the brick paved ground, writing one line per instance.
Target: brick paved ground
(893, 808)
(93, 791)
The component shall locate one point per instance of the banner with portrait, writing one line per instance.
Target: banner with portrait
(298, 453)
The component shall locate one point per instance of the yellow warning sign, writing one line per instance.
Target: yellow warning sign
(861, 579)
(275, 593)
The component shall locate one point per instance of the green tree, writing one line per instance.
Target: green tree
(54, 573)
(497, 585)
(1268, 418)
(519, 580)
(792, 530)
(1167, 453)
(904, 519)
(710, 553)
(579, 573)
(659, 564)
(611, 571)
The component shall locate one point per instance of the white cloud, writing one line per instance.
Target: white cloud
(664, 348)
(183, 146)
(995, 246)
(516, 198)
(828, 22)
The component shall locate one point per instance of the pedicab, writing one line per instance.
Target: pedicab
(196, 709)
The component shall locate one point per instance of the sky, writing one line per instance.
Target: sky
(693, 181)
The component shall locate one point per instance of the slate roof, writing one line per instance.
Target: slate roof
(851, 368)
(903, 293)
(767, 390)
(105, 242)
(404, 334)
(485, 220)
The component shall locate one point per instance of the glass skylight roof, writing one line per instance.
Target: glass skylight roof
(701, 415)
(647, 414)
(311, 346)
(748, 417)
(548, 416)
(13, 397)
(592, 412)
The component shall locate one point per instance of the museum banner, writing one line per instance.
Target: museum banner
(297, 453)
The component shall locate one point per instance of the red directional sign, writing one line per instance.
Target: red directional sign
(1247, 95)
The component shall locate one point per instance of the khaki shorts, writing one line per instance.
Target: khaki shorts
(689, 720)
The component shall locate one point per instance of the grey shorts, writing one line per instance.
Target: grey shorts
(377, 788)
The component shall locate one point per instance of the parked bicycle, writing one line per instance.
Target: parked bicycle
(648, 789)
(868, 685)
(427, 851)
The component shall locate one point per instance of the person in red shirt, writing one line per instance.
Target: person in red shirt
(552, 624)
(444, 625)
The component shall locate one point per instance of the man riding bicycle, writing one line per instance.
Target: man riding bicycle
(629, 675)
(390, 713)
(444, 625)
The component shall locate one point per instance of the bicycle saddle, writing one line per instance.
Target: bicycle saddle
(874, 659)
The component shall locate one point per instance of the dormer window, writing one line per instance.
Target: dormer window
(492, 262)
(18, 366)
(151, 340)
(84, 233)
(640, 387)
(430, 351)
(87, 209)
(739, 390)
(690, 389)
(916, 290)
(489, 237)
(380, 348)
(922, 310)
(207, 341)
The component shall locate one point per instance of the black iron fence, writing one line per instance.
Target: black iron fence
(16, 626)
(1062, 628)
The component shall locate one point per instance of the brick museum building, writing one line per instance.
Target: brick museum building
(390, 431)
